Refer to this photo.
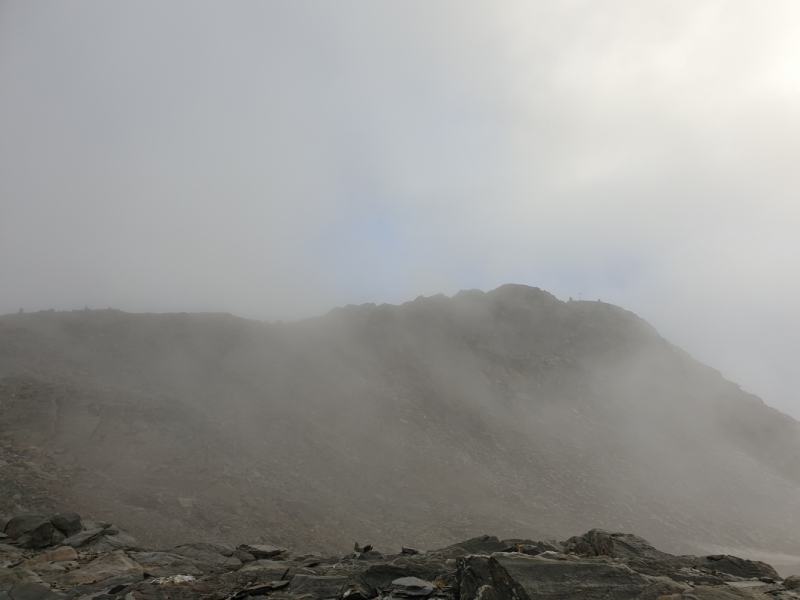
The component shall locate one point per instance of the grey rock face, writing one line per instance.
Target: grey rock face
(32, 591)
(740, 567)
(599, 542)
(520, 577)
(83, 538)
(412, 587)
(19, 526)
(485, 544)
(30, 531)
(472, 574)
(319, 588)
(67, 523)
(792, 582)
(262, 551)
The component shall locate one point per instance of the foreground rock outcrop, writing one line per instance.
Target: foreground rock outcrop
(95, 560)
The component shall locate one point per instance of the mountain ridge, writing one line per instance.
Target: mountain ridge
(427, 422)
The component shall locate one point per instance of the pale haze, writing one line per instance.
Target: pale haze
(275, 160)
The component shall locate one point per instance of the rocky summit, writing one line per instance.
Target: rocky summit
(64, 557)
(412, 426)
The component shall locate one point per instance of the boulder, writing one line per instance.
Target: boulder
(165, 564)
(53, 556)
(527, 577)
(485, 544)
(30, 531)
(792, 582)
(20, 575)
(67, 523)
(412, 587)
(262, 571)
(118, 541)
(113, 565)
(82, 538)
(18, 526)
(33, 591)
(378, 578)
(740, 567)
(261, 551)
(259, 591)
(472, 573)
(317, 587)
(208, 557)
(599, 542)
(661, 567)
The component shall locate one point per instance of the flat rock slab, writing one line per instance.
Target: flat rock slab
(54, 556)
(83, 538)
(522, 577)
(318, 588)
(32, 591)
(263, 571)
(739, 567)
(412, 587)
(723, 592)
(115, 564)
(261, 551)
(208, 557)
(165, 564)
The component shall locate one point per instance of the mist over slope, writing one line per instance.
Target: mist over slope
(508, 412)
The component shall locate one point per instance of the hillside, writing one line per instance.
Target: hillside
(508, 412)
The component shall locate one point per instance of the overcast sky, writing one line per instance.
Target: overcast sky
(277, 159)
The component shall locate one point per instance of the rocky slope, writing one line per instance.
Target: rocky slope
(63, 557)
(416, 425)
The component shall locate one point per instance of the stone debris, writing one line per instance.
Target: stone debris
(598, 564)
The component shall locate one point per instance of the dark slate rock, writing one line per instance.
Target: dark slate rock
(740, 567)
(57, 537)
(521, 577)
(164, 564)
(32, 591)
(244, 557)
(317, 587)
(412, 587)
(208, 557)
(663, 567)
(485, 544)
(599, 542)
(19, 526)
(38, 538)
(472, 573)
(695, 577)
(263, 571)
(536, 548)
(81, 539)
(259, 590)
(379, 578)
(262, 551)
(429, 568)
(67, 523)
(370, 556)
(792, 582)
(110, 542)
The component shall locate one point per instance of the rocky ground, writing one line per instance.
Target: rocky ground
(65, 556)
